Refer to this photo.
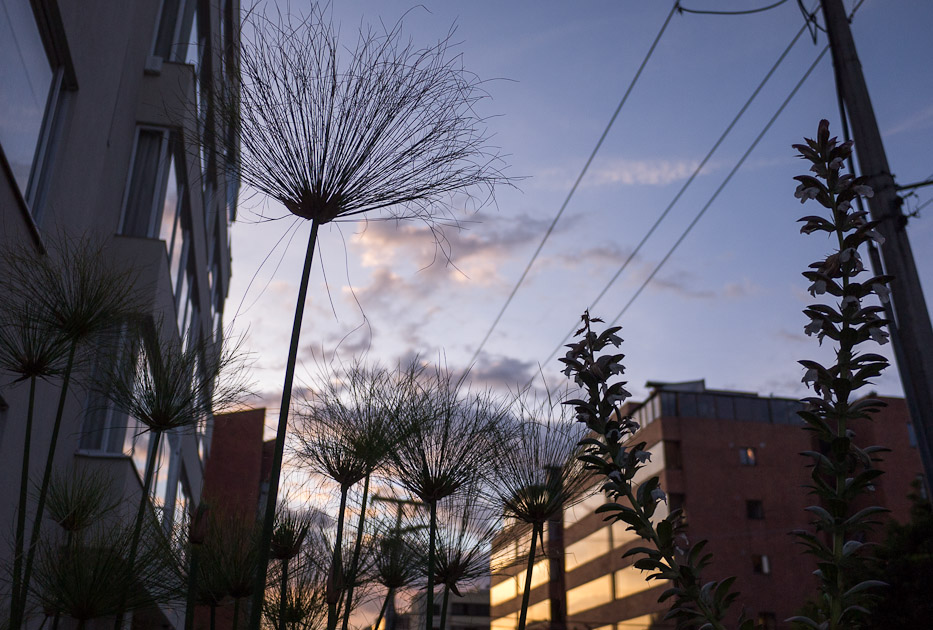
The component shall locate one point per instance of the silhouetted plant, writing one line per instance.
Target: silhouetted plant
(32, 350)
(537, 472)
(464, 540)
(91, 577)
(397, 561)
(592, 364)
(170, 385)
(291, 529)
(301, 604)
(74, 291)
(335, 133)
(845, 471)
(79, 499)
(346, 430)
(449, 439)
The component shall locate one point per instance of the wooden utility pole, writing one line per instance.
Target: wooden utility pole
(914, 335)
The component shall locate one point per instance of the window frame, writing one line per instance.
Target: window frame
(162, 170)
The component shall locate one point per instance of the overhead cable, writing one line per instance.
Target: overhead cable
(683, 188)
(774, 5)
(576, 184)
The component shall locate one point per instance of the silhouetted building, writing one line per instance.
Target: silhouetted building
(732, 461)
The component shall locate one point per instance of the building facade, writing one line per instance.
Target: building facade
(107, 132)
(732, 461)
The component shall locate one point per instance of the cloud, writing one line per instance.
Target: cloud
(503, 372)
(922, 119)
(624, 172)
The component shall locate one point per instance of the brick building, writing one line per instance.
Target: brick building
(732, 461)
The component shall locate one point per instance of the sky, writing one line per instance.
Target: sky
(724, 307)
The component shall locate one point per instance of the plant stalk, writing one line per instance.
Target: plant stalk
(429, 593)
(192, 587)
(151, 456)
(23, 488)
(354, 564)
(444, 607)
(236, 613)
(531, 565)
(336, 565)
(382, 611)
(283, 594)
(20, 606)
(269, 519)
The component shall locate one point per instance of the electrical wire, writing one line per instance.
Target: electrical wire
(744, 12)
(683, 188)
(573, 189)
(722, 185)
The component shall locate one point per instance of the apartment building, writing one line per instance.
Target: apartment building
(732, 461)
(108, 132)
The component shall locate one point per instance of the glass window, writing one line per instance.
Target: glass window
(540, 574)
(668, 404)
(586, 549)
(630, 580)
(761, 564)
(590, 595)
(540, 611)
(28, 81)
(754, 509)
(673, 455)
(170, 20)
(706, 406)
(911, 435)
(144, 189)
(748, 456)
(724, 408)
(503, 591)
(688, 405)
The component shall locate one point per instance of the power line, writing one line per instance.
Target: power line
(723, 185)
(745, 12)
(573, 189)
(683, 188)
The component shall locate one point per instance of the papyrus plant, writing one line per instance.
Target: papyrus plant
(594, 365)
(170, 385)
(536, 473)
(346, 430)
(446, 450)
(842, 471)
(335, 132)
(73, 294)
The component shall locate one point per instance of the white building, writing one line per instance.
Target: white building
(107, 130)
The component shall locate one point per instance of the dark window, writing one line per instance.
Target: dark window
(911, 435)
(688, 405)
(678, 501)
(761, 565)
(767, 621)
(672, 455)
(748, 456)
(668, 404)
(724, 408)
(754, 509)
(706, 406)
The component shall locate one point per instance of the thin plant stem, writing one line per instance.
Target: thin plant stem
(192, 587)
(354, 564)
(44, 490)
(151, 456)
(236, 613)
(23, 487)
(531, 565)
(444, 607)
(283, 594)
(336, 564)
(213, 616)
(429, 593)
(382, 611)
(281, 430)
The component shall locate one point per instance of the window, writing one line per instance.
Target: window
(673, 455)
(4, 408)
(754, 509)
(767, 621)
(153, 187)
(28, 98)
(911, 435)
(748, 456)
(761, 565)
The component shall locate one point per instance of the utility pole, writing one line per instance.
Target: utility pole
(913, 338)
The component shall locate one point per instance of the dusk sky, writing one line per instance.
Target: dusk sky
(725, 307)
